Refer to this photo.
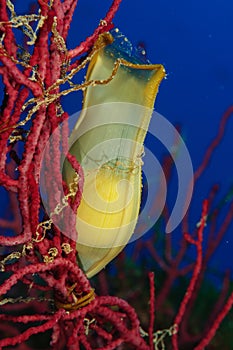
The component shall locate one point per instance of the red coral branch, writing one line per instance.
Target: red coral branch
(152, 310)
(105, 25)
(213, 329)
(215, 142)
(196, 272)
(44, 259)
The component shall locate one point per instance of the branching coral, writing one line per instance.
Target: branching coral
(39, 269)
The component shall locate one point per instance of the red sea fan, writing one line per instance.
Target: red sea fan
(42, 286)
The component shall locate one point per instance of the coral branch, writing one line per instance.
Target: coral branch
(227, 307)
(152, 310)
(105, 25)
(196, 272)
(214, 143)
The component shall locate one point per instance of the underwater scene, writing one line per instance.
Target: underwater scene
(116, 178)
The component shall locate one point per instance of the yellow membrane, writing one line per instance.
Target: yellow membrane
(109, 136)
